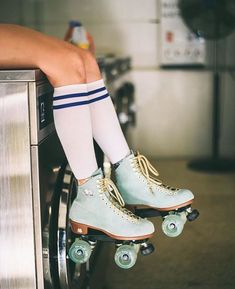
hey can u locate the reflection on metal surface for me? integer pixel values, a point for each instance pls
(46, 259)
(16, 218)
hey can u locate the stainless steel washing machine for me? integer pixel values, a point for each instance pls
(36, 190)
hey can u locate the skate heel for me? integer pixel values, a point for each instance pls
(79, 228)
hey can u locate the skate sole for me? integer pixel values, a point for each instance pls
(82, 229)
(163, 209)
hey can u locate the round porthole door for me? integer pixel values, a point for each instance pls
(66, 274)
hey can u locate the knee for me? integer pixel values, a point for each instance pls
(88, 58)
(92, 69)
(65, 66)
(76, 63)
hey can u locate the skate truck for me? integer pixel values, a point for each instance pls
(126, 250)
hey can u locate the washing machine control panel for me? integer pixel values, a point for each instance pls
(45, 114)
(42, 121)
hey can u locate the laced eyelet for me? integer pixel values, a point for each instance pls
(115, 201)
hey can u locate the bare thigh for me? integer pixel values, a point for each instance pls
(63, 63)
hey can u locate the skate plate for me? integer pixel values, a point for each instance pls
(148, 212)
(126, 252)
(173, 220)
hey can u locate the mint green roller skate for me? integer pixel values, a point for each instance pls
(98, 214)
(138, 184)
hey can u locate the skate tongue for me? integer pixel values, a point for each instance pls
(130, 155)
(98, 172)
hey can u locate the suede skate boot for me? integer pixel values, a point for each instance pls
(99, 206)
(138, 185)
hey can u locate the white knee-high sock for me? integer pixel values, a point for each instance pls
(73, 125)
(105, 125)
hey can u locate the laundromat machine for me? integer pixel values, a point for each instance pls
(36, 191)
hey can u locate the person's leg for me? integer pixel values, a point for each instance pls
(61, 62)
(136, 178)
(95, 205)
(26, 48)
(65, 64)
(105, 124)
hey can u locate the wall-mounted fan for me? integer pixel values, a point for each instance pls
(212, 20)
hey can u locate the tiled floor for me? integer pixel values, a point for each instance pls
(203, 256)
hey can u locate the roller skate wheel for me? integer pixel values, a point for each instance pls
(80, 251)
(172, 225)
(125, 256)
(147, 250)
(193, 215)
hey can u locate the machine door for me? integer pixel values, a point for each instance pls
(69, 275)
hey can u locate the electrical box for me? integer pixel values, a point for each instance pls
(179, 46)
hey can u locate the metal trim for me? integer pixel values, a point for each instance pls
(37, 217)
(21, 75)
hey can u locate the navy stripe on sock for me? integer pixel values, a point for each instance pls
(85, 102)
(96, 90)
(98, 98)
(70, 95)
(78, 94)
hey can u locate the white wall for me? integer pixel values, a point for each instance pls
(174, 109)
(174, 117)
(122, 27)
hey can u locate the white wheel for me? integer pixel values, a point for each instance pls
(173, 225)
(80, 251)
(125, 256)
